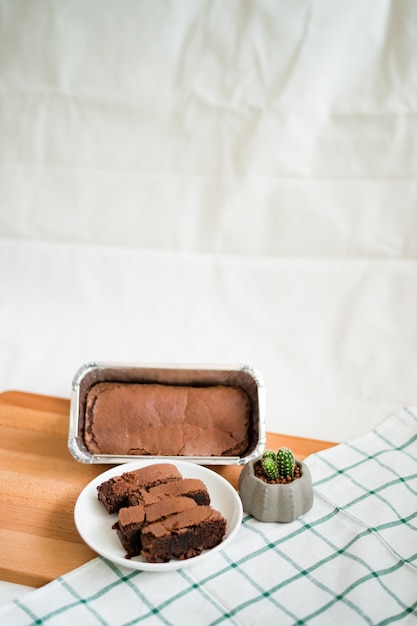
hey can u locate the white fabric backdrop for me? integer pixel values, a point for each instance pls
(214, 182)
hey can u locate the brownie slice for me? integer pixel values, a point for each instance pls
(122, 491)
(133, 519)
(190, 487)
(129, 527)
(183, 535)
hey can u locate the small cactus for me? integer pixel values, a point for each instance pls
(285, 463)
(269, 454)
(269, 465)
(278, 467)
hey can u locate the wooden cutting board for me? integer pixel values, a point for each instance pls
(40, 482)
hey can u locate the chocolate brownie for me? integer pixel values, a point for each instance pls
(183, 535)
(190, 487)
(161, 515)
(166, 420)
(133, 519)
(119, 491)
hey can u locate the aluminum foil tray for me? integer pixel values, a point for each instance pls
(242, 376)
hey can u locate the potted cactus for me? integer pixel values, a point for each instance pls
(276, 487)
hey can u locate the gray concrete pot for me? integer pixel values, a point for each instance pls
(275, 503)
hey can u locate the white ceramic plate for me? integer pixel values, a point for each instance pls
(95, 525)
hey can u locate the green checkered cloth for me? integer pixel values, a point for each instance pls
(352, 559)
